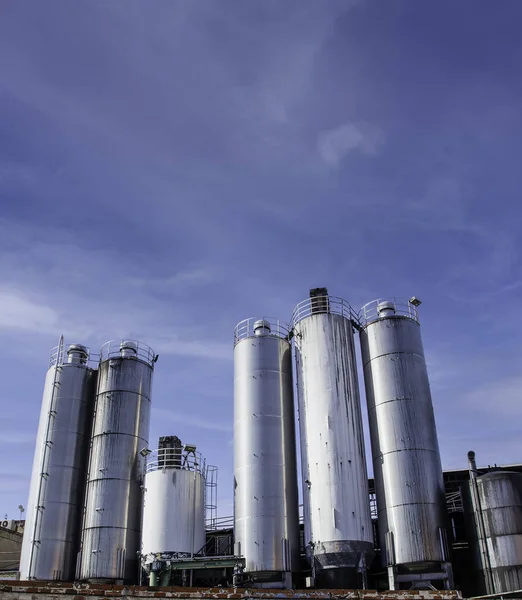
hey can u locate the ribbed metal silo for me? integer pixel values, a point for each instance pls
(496, 510)
(113, 499)
(54, 510)
(266, 526)
(337, 522)
(409, 484)
(173, 509)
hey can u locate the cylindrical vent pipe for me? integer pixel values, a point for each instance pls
(266, 525)
(54, 509)
(409, 484)
(337, 522)
(113, 500)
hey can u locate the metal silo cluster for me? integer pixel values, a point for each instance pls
(84, 509)
(338, 529)
(103, 507)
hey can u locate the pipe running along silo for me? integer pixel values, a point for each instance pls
(113, 497)
(407, 468)
(266, 522)
(173, 509)
(496, 540)
(337, 523)
(54, 510)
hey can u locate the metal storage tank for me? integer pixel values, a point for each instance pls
(113, 498)
(174, 509)
(266, 522)
(54, 509)
(337, 522)
(496, 507)
(406, 461)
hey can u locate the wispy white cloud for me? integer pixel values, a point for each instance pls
(191, 277)
(19, 312)
(51, 286)
(335, 144)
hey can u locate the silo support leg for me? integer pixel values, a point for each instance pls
(391, 578)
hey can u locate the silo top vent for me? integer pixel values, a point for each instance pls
(77, 354)
(128, 348)
(262, 327)
(386, 308)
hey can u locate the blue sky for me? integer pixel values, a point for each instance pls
(169, 168)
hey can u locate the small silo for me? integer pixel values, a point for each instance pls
(266, 523)
(174, 508)
(113, 497)
(409, 484)
(54, 509)
(496, 509)
(337, 522)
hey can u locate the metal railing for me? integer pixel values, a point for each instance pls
(403, 308)
(175, 458)
(323, 304)
(272, 327)
(221, 523)
(129, 349)
(454, 502)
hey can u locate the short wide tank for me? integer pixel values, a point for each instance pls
(54, 510)
(337, 522)
(496, 508)
(266, 526)
(409, 484)
(173, 507)
(113, 500)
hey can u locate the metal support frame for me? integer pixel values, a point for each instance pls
(416, 580)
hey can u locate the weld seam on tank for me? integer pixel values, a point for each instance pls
(104, 434)
(393, 354)
(377, 456)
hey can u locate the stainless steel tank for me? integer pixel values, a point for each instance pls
(406, 461)
(497, 517)
(337, 522)
(54, 509)
(113, 499)
(266, 524)
(174, 508)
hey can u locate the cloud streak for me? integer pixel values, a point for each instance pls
(336, 143)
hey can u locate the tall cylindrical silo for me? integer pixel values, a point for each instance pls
(337, 522)
(54, 510)
(113, 498)
(266, 522)
(496, 510)
(173, 509)
(409, 484)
